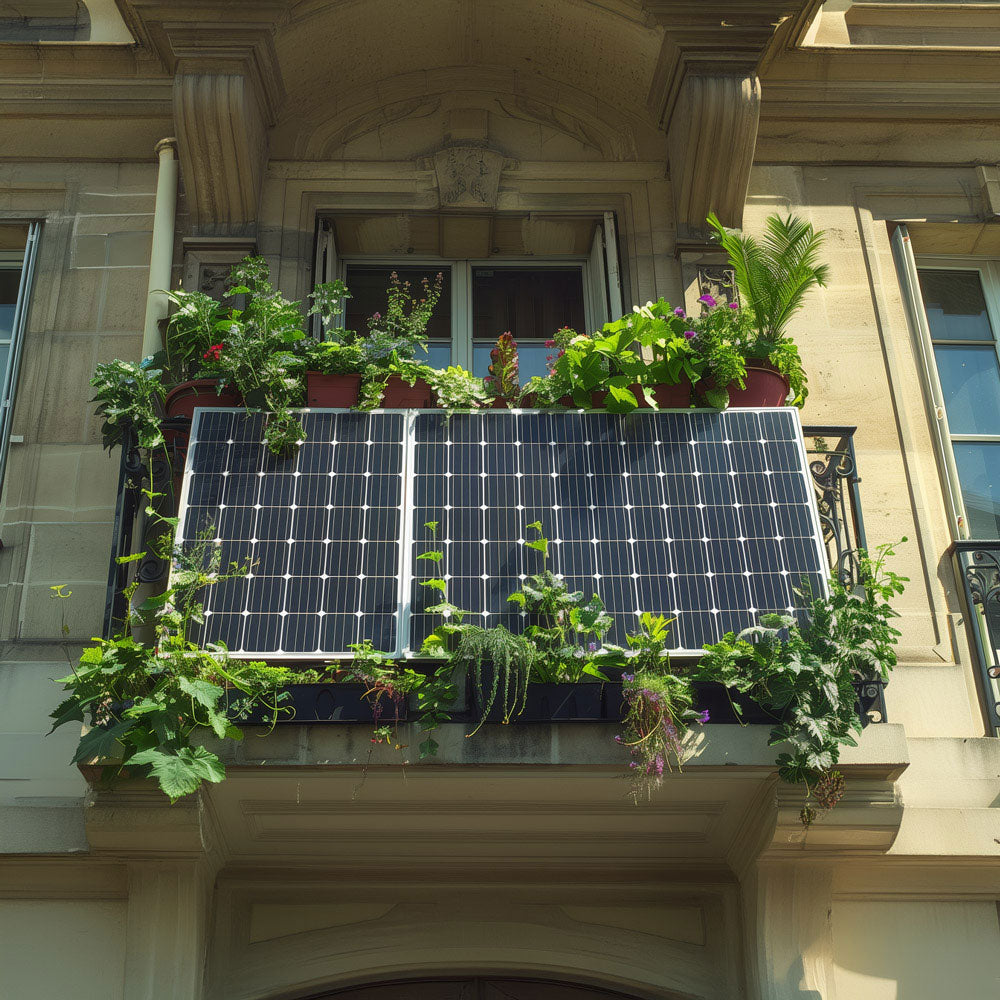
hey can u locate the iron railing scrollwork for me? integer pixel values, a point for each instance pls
(978, 566)
(834, 468)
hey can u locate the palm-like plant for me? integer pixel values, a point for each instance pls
(774, 273)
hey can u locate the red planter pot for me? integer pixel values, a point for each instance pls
(668, 397)
(332, 390)
(401, 395)
(764, 387)
(183, 398)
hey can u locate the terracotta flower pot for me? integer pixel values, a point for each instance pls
(402, 395)
(332, 390)
(764, 387)
(183, 398)
(668, 397)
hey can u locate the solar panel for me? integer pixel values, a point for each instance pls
(320, 531)
(707, 517)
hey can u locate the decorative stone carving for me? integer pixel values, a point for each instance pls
(468, 176)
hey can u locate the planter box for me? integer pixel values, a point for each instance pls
(547, 703)
(402, 395)
(668, 397)
(764, 387)
(332, 391)
(314, 704)
(183, 398)
(712, 696)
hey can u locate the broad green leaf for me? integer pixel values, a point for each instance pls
(101, 742)
(181, 773)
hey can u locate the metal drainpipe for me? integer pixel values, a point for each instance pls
(161, 257)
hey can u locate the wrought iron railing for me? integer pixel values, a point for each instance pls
(978, 567)
(834, 469)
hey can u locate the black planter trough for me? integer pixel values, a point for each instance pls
(581, 702)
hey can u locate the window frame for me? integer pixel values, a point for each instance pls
(988, 270)
(462, 342)
(25, 261)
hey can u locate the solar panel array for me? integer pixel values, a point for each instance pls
(707, 517)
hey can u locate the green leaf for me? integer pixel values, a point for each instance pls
(436, 585)
(181, 773)
(433, 556)
(102, 742)
(135, 557)
(203, 692)
(717, 398)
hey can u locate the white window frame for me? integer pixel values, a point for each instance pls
(989, 276)
(602, 294)
(25, 261)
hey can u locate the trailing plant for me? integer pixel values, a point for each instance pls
(499, 664)
(503, 381)
(130, 395)
(658, 706)
(804, 670)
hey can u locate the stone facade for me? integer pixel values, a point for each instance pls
(519, 858)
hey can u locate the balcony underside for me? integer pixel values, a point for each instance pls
(515, 797)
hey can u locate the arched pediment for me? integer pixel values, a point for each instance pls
(537, 119)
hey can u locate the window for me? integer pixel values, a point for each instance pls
(481, 298)
(17, 257)
(963, 320)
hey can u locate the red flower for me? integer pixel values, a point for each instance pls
(214, 353)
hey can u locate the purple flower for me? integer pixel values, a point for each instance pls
(618, 739)
(734, 305)
(709, 301)
(628, 677)
(703, 717)
(690, 334)
(680, 312)
(592, 646)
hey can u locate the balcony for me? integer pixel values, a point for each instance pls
(978, 567)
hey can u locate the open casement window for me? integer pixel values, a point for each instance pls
(531, 294)
(18, 246)
(955, 308)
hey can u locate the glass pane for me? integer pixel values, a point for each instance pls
(531, 359)
(979, 473)
(4, 358)
(530, 302)
(970, 380)
(368, 283)
(438, 354)
(956, 309)
(10, 278)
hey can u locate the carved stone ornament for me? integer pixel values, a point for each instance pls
(468, 176)
(719, 281)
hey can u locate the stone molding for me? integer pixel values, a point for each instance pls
(706, 95)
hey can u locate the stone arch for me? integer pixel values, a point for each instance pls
(481, 987)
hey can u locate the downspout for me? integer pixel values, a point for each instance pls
(161, 256)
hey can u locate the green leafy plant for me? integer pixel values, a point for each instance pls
(805, 671)
(191, 331)
(566, 629)
(255, 352)
(773, 275)
(147, 705)
(129, 395)
(456, 388)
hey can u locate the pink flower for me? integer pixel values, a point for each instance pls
(734, 305)
(709, 301)
(690, 334)
(550, 343)
(680, 312)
